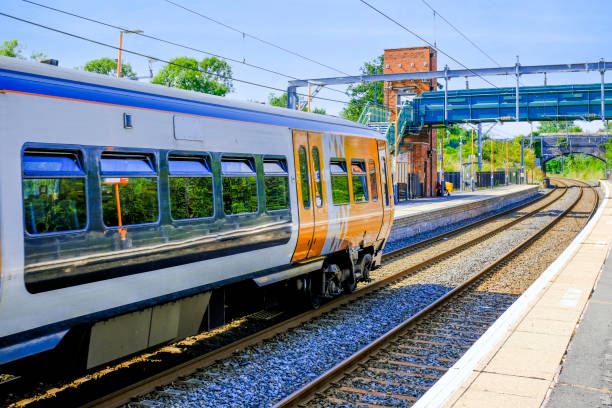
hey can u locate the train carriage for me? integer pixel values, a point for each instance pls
(126, 208)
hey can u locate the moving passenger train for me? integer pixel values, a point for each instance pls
(127, 208)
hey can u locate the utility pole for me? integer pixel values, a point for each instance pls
(492, 178)
(472, 163)
(121, 47)
(479, 147)
(442, 184)
(506, 162)
(522, 161)
(460, 163)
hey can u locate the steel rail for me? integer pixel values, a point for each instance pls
(142, 387)
(428, 241)
(337, 372)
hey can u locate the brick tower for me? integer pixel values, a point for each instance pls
(416, 167)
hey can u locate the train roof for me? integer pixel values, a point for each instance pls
(50, 81)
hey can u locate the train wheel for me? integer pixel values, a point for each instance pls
(350, 284)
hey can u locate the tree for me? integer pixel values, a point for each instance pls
(365, 92)
(211, 75)
(281, 101)
(107, 66)
(558, 127)
(11, 49)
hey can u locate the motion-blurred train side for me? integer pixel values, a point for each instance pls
(125, 207)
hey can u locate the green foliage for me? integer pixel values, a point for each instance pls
(360, 188)
(277, 192)
(239, 195)
(137, 199)
(191, 197)
(340, 191)
(53, 205)
(455, 133)
(577, 166)
(558, 127)
(107, 66)
(10, 48)
(281, 102)
(365, 92)
(211, 75)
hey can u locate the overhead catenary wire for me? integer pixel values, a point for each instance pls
(460, 33)
(256, 38)
(157, 59)
(168, 41)
(425, 41)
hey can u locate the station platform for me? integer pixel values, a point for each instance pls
(553, 346)
(425, 214)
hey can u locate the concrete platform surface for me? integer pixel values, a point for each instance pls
(516, 363)
(427, 214)
(422, 205)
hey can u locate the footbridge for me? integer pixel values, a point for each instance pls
(553, 145)
(535, 103)
(518, 103)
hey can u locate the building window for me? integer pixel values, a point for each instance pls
(359, 179)
(339, 181)
(129, 189)
(239, 186)
(318, 182)
(53, 192)
(276, 181)
(373, 184)
(304, 177)
(191, 187)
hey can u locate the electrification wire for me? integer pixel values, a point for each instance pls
(159, 59)
(256, 38)
(167, 41)
(424, 40)
(461, 33)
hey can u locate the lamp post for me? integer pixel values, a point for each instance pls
(121, 45)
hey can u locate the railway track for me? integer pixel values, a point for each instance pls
(167, 376)
(399, 366)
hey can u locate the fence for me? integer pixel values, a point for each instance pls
(409, 189)
(483, 178)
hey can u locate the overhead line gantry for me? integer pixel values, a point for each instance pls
(517, 70)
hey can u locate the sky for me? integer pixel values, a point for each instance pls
(341, 34)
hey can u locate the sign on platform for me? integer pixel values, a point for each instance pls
(116, 180)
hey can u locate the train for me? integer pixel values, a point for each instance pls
(127, 209)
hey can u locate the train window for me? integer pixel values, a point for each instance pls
(339, 182)
(276, 181)
(359, 179)
(53, 192)
(129, 189)
(316, 160)
(304, 184)
(191, 187)
(239, 185)
(373, 184)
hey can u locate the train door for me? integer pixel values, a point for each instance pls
(387, 193)
(319, 195)
(304, 196)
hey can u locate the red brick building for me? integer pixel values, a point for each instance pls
(417, 152)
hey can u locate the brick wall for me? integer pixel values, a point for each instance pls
(400, 60)
(422, 145)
